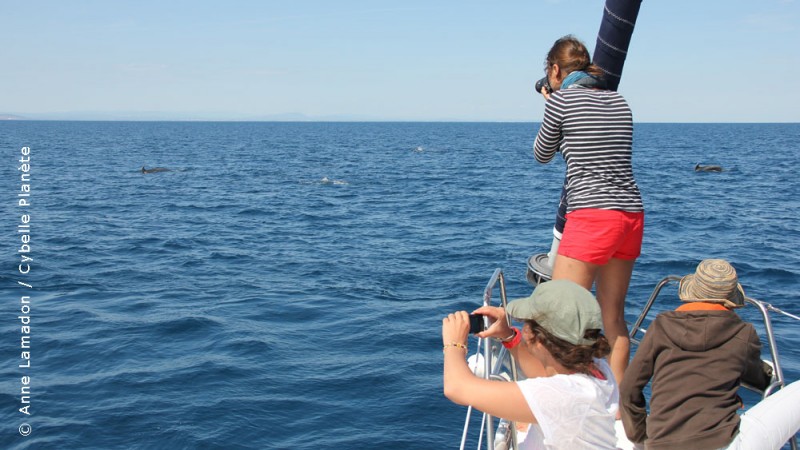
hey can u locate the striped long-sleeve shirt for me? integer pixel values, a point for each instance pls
(593, 129)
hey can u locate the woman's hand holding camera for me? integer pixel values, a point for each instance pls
(455, 328)
(499, 328)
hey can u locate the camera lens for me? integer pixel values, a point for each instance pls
(543, 83)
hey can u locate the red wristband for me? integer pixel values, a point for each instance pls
(515, 340)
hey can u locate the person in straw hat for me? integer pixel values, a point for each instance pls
(570, 396)
(696, 356)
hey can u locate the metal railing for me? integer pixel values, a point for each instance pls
(495, 360)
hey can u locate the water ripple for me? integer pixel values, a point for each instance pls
(264, 305)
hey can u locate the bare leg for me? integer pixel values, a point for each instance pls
(572, 269)
(612, 288)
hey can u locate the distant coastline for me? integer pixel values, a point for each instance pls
(276, 118)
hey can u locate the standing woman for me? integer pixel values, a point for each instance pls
(593, 129)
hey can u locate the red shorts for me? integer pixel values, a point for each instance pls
(597, 235)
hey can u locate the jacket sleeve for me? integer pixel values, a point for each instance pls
(633, 405)
(756, 373)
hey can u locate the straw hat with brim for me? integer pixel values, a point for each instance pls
(563, 308)
(714, 281)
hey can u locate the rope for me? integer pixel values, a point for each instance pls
(616, 16)
(608, 72)
(611, 46)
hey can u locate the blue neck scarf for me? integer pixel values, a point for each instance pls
(573, 77)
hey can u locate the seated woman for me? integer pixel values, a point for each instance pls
(570, 396)
(697, 356)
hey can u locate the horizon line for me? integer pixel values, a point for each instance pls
(142, 120)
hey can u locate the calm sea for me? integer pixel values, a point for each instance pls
(283, 285)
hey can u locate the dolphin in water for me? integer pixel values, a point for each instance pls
(326, 180)
(155, 170)
(707, 168)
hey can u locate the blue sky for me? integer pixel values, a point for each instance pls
(689, 61)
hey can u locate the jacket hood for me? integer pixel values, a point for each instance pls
(699, 331)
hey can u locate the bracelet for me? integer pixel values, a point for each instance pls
(513, 335)
(454, 344)
(512, 341)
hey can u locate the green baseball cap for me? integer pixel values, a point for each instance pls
(562, 307)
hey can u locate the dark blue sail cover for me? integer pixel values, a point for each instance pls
(614, 37)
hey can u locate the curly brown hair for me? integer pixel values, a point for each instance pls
(578, 358)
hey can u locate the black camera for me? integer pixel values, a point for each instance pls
(543, 83)
(476, 323)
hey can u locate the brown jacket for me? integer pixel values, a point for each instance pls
(696, 360)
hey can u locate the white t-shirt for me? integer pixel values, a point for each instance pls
(573, 411)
